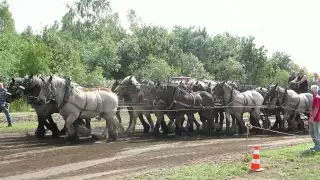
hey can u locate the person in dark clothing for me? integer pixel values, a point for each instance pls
(302, 81)
(4, 105)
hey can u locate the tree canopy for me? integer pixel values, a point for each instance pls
(91, 45)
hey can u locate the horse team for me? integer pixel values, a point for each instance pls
(210, 100)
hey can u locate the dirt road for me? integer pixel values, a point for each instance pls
(28, 158)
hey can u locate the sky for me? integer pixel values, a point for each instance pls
(289, 26)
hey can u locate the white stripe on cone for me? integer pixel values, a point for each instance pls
(256, 152)
(255, 161)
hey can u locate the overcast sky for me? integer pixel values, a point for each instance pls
(291, 26)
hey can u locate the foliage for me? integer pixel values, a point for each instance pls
(90, 45)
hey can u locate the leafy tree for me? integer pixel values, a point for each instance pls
(156, 69)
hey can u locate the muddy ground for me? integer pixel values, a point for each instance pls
(25, 157)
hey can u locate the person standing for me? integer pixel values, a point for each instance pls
(314, 120)
(316, 81)
(4, 105)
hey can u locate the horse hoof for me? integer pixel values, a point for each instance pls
(63, 132)
(56, 135)
(113, 136)
(156, 133)
(40, 133)
(95, 137)
(72, 139)
(146, 130)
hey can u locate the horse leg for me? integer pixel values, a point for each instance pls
(234, 119)
(88, 124)
(146, 127)
(53, 127)
(221, 113)
(286, 118)
(118, 115)
(227, 113)
(135, 115)
(191, 119)
(71, 134)
(113, 126)
(160, 120)
(216, 117)
(294, 122)
(40, 132)
(207, 116)
(240, 122)
(81, 127)
(197, 123)
(179, 128)
(148, 116)
(170, 124)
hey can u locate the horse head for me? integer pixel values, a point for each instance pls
(15, 88)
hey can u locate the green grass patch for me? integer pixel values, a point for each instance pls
(32, 125)
(293, 162)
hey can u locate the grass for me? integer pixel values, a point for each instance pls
(26, 121)
(293, 162)
(32, 125)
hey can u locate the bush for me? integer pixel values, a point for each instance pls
(20, 105)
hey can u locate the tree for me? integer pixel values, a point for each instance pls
(156, 69)
(7, 24)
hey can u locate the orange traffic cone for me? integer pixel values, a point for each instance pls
(255, 162)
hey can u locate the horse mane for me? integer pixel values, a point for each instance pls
(58, 81)
(175, 86)
(36, 80)
(130, 78)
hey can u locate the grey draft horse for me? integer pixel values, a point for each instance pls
(292, 103)
(74, 104)
(130, 87)
(270, 109)
(30, 87)
(238, 103)
(127, 100)
(17, 88)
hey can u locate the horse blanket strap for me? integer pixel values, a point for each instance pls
(297, 106)
(65, 97)
(98, 103)
(85, 106)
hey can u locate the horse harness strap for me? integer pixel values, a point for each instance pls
(65, 97)
(85, 106)
(98, 103)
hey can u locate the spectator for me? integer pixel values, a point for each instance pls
(314, 120)
(316, 81)
(4, 105)
(302, 81)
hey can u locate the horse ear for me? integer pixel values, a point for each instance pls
(42, 79)
(158, 83)
(13, 80)
(276, 85)
(260, 88)
(31, 76)
(197, 82)
(50, 78)
(130, 78)
(209, 84)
